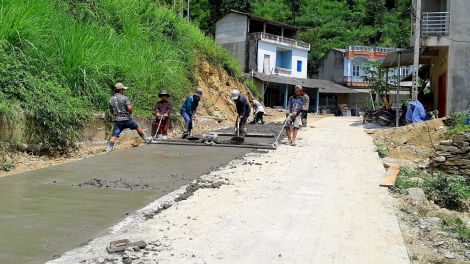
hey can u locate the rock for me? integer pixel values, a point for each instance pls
(467, 254)
(461, 137)
(416, 196)
(450, 256)
(435, 251)
(440, 159)
(100, 260)
(448, 148)
(463, 145)
(446, 142)
(440, 243)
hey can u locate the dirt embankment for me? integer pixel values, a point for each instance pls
(217, 86)
(413, 142)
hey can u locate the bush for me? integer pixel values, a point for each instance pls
(382, 151)
(457, 123)
(7, 166)
(448, 190)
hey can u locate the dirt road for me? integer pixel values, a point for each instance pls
(317, 202)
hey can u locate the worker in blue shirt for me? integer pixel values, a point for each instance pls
(187, 111)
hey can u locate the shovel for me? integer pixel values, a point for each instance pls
(191, 137)
(159, 123)
(285, 122)
(238, 138)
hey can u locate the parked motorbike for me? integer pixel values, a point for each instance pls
(370, 115)
(387, 117)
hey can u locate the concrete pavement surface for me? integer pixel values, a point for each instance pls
(317, 202)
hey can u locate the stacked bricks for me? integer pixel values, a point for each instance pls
(453, 156)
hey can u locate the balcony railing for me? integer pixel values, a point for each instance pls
(435, 23)
(281, 40)
(353, 79)
(279, 70)
(371, 49)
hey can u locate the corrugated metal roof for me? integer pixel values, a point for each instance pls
(406, 59)
(324, 85)
(258, 18)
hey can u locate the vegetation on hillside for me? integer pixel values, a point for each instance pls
(61, 59)
(325, 24)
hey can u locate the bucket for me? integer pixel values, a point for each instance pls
(353, 112)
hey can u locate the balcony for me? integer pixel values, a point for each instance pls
(270, 38)
(435, 23)
(279, 70)
(371, 49)
(353, 79)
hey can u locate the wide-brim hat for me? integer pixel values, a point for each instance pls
(164, 92)
(198, 93)
(120, 86)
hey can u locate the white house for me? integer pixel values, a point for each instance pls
(267, 48)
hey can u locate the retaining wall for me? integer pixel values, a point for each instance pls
(453, 155)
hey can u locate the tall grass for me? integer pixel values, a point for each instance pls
(74, 51)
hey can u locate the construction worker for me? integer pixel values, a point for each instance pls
(294, 106)
(258, 112)
(187, 111)
(120, 107)
(243, 110)
(162, 111)
(304, 112)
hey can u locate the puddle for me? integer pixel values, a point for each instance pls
(44, 213)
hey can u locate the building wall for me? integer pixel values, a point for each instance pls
(331, 66)
(458, 95)
(230, 32)
(299, 55)
(271, 50)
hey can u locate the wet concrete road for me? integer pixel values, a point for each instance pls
(44, 213)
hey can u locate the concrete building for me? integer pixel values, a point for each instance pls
(265, 47)
(445, 50)
(345, 66)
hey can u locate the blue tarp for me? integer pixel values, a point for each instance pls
(416, 112)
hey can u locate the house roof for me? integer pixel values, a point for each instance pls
(406, 59)
(324, 85)
(258, 18)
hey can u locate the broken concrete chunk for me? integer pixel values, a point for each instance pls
(440, 159)
(446, 142)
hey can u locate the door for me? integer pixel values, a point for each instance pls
(266, 63)
(441, 94)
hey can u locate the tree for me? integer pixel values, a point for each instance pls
(294, 6)
(375, 79)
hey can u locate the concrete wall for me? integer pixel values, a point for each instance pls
(230, 32)
(458, 95)
(331, 66)
(299, 55)
(271, 50)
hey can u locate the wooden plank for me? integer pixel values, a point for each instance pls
(390, 177)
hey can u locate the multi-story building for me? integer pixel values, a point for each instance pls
(345, 66)
(445, 39)
(270, 52)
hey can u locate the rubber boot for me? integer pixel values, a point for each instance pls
(159, 136)
(144, 137)
(186, 131)
(110, 146)
(262, 121)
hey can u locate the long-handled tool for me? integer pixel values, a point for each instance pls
(285, 122)
(191, 137)
(238, 138)
(159, 123)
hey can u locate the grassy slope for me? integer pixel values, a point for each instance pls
(60, 59)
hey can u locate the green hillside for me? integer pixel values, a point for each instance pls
(60, 59)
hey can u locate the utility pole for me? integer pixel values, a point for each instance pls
(188, 11)
(182, 5)
(414, 93)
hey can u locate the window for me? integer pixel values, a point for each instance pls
(405, 71)
(356, 68)
(299, 66)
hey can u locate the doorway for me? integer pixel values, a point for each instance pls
(441, 94)
(266, 63)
